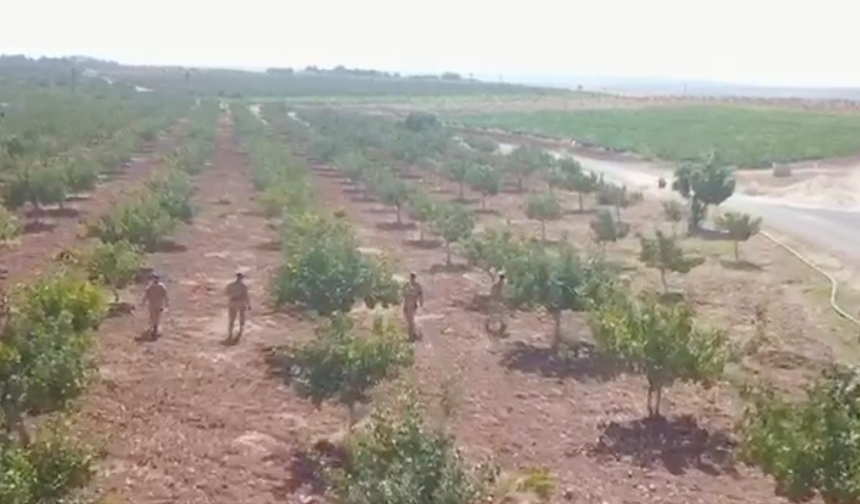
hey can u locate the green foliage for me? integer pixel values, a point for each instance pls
(524, 161)
(543, 207)
(394, 192)
(810, 447)
(80, 172)
(419, 121)
(46, 471)
(554, 280)
(324, 272)
(492, 250)
(486, 180)
(9, 227)
(398, 458)
(563, 173)
(458, 170)
(740, 226)
(673, 210)
(745, 136)
(617, 196)
(49, 298)
(35, 184)
(454, 224)
(661, 342)
(344, 364)
(709, 182)
(422, 209)
(481, 143)
(114, 265)
(583, 184)
(607, 229)
(173, 189)
(143, 222)
(665, 254)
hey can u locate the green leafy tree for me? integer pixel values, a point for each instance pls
(454, 224)
(524, 161)
(740, 226)
(324, 271)
(458, 171)
(662, 342)
(114, 265)
(342, 365)
(35, 184)
(673, 210)
(664, 254)
(542, 208)
(583, 184)
(399, 458)
(394, 192)
(811, 447)
(9, 227)
(492, 250)
(703, 184)
(561, 174)
(173, 190)
(81, 173)
(486, 180)
(422, 209)
(556, 281)
(143, 222)
(606, 229)
(617, 196)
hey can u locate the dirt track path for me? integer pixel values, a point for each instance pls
(36, 248)
(187, 419)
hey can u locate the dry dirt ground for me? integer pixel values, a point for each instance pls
(186, 419)
(531, 409)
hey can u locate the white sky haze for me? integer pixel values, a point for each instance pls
(771, 42)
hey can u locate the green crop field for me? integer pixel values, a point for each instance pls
(742, 136)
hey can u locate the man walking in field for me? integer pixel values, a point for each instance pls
(496, 308)
(238, 303)
(155, 297)
(413, 297)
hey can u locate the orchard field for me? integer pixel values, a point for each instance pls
(654, 351)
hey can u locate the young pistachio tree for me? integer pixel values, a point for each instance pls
(583, 184)
(344, 364)
(458, 171)
(673, 210)
(664, 254)
(606, 229)
(705, 183)
(662, 342)
(35, 184)
(393, 192)
(542, 208)
(114, 265)
(422, 209)
(740, 226)
(492, 250)
(524, 161)
(811, 447)
(454, 224)
(561, 173)
(486, 180)
(555, 280)
(617, 196)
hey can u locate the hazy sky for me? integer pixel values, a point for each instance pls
(746, 41)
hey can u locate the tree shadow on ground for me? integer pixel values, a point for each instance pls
(353, 190)
(269, 246)
(677, 443)
(57, 213)
(710, 234)
(363, 198)
(308, 467)
(671, 297)
(741, 265)
(448, 268)
(120, 309)
(409, 176)
(170, 246)
(78, 197)
(395, 226)
(576, 359)
(513, 190)
(465, 201)
(279, 363)
(487, 211)
(39, 226)
(425, 244)
(577, 211)
(479, 303)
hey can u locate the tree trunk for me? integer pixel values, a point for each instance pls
(483, 201)
(581, 207)
(663, 279)
(737, 252)
(398, 209)
(556, 317)
(543, 231)
(447, 252)
(115, 296)
(520, 186)
(618, 212)
(350, 417)
(421, 233)
(462, 194)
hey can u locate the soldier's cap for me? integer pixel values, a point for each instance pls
(412, 274)
(239, 274)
